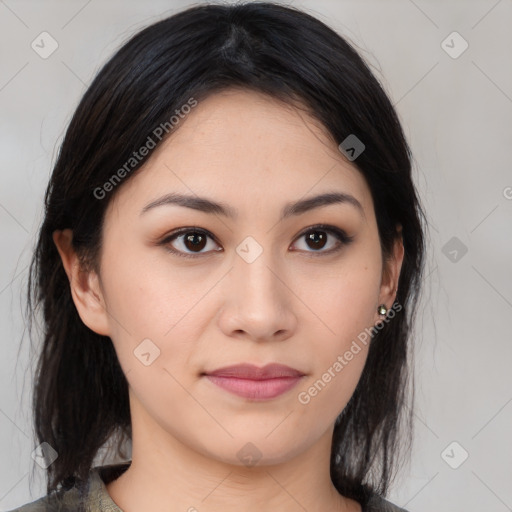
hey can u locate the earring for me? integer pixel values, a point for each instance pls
(382, 309)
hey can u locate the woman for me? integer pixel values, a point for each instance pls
(228, 268)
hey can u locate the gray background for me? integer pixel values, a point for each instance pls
(457, 114)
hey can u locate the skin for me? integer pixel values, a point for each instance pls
(293, 304)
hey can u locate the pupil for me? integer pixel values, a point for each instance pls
(316, 237)
(192, 239)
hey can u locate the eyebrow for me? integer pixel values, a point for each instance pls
(206, 205)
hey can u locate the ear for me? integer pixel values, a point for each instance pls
(85, 286)
(391, 273)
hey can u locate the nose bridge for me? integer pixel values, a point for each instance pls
(255, 266)
(257, 288)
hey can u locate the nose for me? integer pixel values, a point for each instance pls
(258, 300)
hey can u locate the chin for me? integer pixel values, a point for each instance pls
(256, 451)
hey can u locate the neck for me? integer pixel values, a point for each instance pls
(168, 475)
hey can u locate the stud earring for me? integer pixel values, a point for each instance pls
(382, 309)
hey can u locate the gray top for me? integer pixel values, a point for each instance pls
(94, 497)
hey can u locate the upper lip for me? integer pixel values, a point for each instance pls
(250, 371)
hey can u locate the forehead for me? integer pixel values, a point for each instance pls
(243, 148)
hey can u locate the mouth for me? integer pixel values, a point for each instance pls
(252, 382)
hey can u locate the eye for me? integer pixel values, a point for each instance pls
(189, 239)
(316, 238)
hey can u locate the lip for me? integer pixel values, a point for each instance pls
(253, 382)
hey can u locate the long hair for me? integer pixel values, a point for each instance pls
(80, 395)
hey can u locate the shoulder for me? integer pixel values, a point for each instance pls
(90, 496)
(64, 501)
(378, 504)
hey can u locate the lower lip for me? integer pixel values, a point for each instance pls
(255, 389)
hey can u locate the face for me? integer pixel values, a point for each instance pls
(249, 286)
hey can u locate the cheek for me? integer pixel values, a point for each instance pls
(329, 389)
(156, 309)
(343, 299)
(340, 346)
(148, 295)
(344, 303)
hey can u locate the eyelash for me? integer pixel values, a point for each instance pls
(342, 237)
